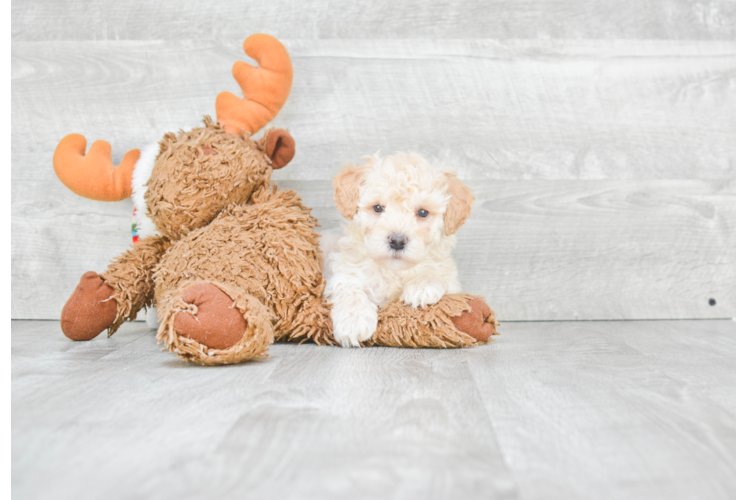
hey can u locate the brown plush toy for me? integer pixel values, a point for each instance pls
(232, 263)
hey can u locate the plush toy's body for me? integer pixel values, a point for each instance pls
(268, 264)
(233, 263)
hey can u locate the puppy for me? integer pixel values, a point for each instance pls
(404, 214)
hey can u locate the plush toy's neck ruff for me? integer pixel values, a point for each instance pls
(140, 176)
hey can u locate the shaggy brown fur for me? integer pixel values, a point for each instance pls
(404, 326)
(188, 187)
(268, 249)
(131, 278)
(253, 344)
(209, 195)
(223, 225)
(238, 264)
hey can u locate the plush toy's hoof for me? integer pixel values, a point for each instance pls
(476, 322)
(217, 324)
(89, 311)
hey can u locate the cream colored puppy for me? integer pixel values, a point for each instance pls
(398, 245)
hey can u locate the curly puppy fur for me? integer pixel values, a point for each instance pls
(224, 231)
(231, 263)
(398, 245)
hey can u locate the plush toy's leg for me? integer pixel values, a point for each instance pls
(108, 300)
(457, 320)
(214, 324)
(90, 310)
(478, 322)
(311, 322)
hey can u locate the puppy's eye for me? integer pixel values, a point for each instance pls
(378, 209)
(423, 213)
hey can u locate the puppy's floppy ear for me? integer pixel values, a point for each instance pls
(460, 204)
(347, 184)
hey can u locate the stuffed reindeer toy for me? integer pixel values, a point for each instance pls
(232, 263)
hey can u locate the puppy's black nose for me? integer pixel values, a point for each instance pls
(397, 241)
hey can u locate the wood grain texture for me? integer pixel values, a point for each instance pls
(559, 19)
(649, 127)
(740, 241)
(537, 250)
(488, 109)
(614, 410)
(548, 410)
(306, 423)
(564, 250)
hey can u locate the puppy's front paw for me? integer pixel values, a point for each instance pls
(423, 293)
(350, 328)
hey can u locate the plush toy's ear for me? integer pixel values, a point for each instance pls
(280, 147)
(460, 204)
(346, 185)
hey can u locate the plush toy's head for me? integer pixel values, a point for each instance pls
(197, 173)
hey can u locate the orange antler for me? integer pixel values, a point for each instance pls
(265, 87)
(93, 175)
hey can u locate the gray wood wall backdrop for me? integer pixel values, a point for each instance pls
(599, 135)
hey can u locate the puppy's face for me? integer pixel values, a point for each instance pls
(403, 206)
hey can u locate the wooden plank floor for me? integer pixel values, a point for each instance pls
(638, 409)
